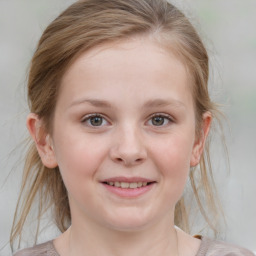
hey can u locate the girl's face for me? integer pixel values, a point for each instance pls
(124, 135)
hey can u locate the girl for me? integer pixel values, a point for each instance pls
(120, 114)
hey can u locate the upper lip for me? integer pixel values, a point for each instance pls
(128, 179)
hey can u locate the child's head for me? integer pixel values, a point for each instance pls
(87, 24)
(85, 30)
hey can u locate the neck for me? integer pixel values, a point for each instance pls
(159, 239)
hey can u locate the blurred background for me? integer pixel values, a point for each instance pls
(228, 29)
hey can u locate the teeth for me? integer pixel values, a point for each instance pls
(133, 185)
(124, 185)
(127, 184)
(117, 184)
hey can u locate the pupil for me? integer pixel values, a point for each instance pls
(96, 121)
(158, 120)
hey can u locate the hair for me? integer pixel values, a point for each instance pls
(82, 26)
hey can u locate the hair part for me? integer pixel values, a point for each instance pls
(87, 24)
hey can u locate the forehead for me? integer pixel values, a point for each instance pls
(132, 48)
(135, 64)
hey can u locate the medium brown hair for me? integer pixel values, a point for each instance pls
(87, 24)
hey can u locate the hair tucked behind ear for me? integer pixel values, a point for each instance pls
(87, 24)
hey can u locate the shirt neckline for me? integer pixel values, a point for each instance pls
(201, 251)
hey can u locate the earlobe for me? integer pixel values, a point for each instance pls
(200, 142)
(42, 140)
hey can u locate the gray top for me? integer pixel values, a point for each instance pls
(208, 247)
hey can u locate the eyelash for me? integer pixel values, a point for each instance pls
(161, 115)
(89, 117)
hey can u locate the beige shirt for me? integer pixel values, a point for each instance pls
(208, 247)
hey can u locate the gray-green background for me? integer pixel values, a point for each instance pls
(228, 28)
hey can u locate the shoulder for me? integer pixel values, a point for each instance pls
(45, 249)
(210, 247)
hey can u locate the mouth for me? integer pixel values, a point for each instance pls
(129, 185)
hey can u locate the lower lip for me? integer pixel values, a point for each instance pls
(129, 192)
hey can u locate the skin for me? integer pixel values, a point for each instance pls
(125, 85)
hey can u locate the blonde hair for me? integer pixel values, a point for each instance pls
(84, 25)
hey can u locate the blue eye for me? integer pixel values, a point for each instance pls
(160, 120)
(94, 120)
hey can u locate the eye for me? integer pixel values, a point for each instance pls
(95, 120)
(160, 120)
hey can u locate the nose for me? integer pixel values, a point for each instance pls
(128, 148)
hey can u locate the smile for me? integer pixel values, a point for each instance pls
(130, 185)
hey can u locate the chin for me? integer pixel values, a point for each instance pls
(129, 222)
(128, 227)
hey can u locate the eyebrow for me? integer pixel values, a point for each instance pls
(93, 102)
(163, 103)
(148, 104)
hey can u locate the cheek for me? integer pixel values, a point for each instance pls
(78, 160)
(173, 158)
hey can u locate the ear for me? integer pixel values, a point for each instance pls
(42, 140)
(200, 141)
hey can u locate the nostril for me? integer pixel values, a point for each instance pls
(127, 161)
